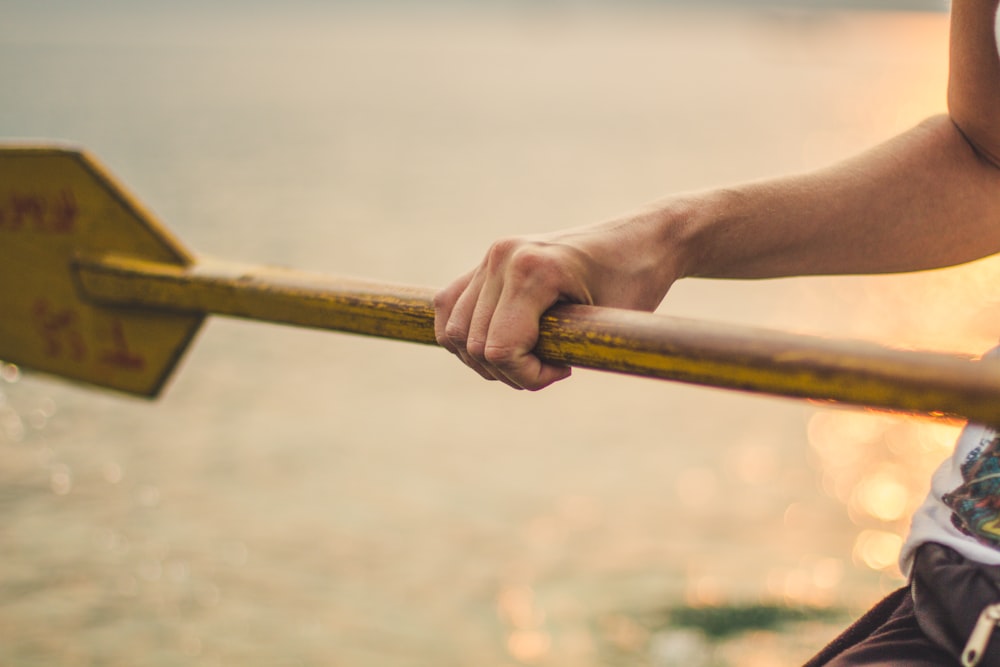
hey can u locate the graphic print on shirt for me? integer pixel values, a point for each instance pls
(975, 504)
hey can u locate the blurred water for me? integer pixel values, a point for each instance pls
(307, 498)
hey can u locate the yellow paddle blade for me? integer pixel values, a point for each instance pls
(58, 204)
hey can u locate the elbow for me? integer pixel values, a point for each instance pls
(980, 129)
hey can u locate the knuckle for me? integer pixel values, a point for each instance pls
(500, 356)
(535, 264)
(441, 301)
(455, 334)
(476, 349)
(502, 249)
(524, 261)
(443, 340)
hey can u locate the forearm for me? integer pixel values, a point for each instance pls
(925, 199)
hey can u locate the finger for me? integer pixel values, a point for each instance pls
(514, 329)
(479, 331)
(453, 311)
(444, 304)
(479, 319)
(509, 352)
(534, 283)
(456, 328)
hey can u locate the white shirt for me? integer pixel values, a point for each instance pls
(962, 510)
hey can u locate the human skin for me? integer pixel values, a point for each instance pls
(927, 198)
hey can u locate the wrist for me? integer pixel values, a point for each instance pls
(677, 233)
(692, 228)
(652, 248)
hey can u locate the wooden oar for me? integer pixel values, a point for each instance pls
(94, 289)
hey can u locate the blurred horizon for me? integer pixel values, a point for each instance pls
(805, 5)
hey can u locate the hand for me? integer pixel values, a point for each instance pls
(489, 317)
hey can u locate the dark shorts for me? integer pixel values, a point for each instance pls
(925, 623)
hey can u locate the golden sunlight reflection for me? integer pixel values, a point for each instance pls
(623, 632)
(112, 472)
(527, 639)
(528, 645)
(705, 590)
(955, 309)
(813, 583)
(9, 373)
(879, 466)
(877, 549)
(882, 496)
(11, 425)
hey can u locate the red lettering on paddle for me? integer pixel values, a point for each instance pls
(119, 355)
(59, 330)
(55, 213)
(62, 213)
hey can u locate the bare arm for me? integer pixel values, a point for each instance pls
(928, 198)
(924, 199)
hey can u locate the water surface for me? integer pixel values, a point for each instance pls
(303, 498)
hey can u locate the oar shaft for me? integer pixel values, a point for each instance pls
(773, 362)
(262, 293)
(630, 342)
